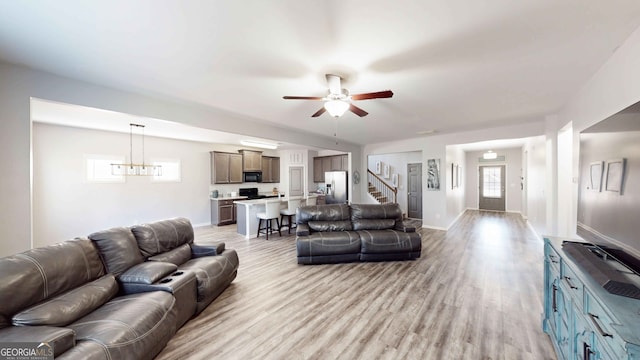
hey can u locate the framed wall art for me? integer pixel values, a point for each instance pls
(615, 175)
(433, 174)
(595, 176)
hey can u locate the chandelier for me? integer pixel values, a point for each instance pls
(133, 169)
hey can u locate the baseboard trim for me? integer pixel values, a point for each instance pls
(433, 227)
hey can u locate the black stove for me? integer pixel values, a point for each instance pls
(251, 193)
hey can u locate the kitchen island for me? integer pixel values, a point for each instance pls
(247, 215)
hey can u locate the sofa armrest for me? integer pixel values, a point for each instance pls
(302, 230)
(206, 250)
(147, 272)
(405, 227)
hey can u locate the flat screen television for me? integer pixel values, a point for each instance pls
(609, 183)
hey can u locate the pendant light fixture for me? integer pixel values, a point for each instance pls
(133, 169)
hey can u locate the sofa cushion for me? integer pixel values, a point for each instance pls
(161, 236)
(70, 306)
(212, 273)
(177, 256)
(133, 326)
(376, 211)
(60, 339)
(328, 243)
(147, 272)
(389, 241)
(35, 275)
(118, 249)
(344, 225)
(374, 224)
(332, 212)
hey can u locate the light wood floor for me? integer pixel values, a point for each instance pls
(476, 293)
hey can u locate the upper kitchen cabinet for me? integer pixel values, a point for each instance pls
(226, 168)
(270, 169)
(322, 164)
(251, 160)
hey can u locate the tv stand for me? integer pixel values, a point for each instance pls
(583, 319)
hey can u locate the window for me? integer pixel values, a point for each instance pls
(491, 186)
(98, 168)
(170, 170)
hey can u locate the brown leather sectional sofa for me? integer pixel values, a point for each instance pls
(121, 293)
(358, 232)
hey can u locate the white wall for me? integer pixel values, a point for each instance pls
(65, 205)
(513, 164)
(455, 196)
(398, 165)
(534, 155)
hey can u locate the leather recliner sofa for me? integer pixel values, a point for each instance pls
(100, 299)
(358, 232)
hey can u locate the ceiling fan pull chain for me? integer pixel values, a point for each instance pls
(335, 132)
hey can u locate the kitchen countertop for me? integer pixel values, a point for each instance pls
(229, 198)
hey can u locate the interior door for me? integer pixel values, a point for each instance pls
(492, 188)
(296, 181)
(414, 191)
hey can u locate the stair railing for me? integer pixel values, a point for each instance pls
(388, 191)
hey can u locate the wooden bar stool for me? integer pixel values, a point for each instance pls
(290, 212)
(272, 212)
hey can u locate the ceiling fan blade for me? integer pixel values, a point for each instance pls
(319, 112)
(356, 110)
(302, 98)
(334, 84)
(373, 95)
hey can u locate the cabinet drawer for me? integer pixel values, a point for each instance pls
(225, 202)
(552, 256)
(573, 284)
(602, 324)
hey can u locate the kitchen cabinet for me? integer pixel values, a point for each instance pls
(251, 160)
(223, 212)
(322, 164)
(318, 174)
(226, 168)
(270, 169)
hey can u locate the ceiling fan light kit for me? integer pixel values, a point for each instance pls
(338, 101)
(336, 107)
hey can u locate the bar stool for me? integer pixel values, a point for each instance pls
(272, 212)
(289, 212)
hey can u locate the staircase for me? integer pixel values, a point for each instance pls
(380, 190)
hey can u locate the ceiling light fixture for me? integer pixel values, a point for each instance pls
(259, 144)
(132, 169)
(489, 155)
(336, 107)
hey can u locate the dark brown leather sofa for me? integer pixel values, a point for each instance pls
(358, 232)
(99, 298)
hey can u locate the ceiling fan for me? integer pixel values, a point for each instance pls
(338, 99)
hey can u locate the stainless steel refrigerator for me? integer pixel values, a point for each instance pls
(337, 187)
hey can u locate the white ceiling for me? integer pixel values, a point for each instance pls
(453, 65)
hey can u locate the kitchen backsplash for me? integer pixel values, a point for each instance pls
(224, 190)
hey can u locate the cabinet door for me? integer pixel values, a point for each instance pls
(266, 169)
(318, 173)
(225, 214)
(345, 162)
(326, 165)
(220, 168)
(336, 163)
(235, 168)
(252, 160)
(275, 169)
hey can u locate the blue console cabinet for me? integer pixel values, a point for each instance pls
(583, 320)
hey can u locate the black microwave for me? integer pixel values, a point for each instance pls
(253, 176)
